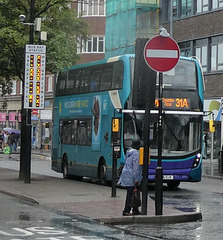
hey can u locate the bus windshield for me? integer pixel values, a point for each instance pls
(182, 76)
(181, 133)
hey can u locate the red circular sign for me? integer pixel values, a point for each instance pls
(161, 53)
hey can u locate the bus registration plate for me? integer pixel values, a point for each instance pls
(168, 177)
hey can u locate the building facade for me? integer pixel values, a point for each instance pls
(197, 27)
(94, 13)
(127, 20)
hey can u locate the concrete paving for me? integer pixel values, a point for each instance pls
(80, 198)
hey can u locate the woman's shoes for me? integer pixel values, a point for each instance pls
(126, 214)
(136, 213)
(131, 214)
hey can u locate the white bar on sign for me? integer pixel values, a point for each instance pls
(154, 53)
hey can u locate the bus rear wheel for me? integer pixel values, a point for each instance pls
(102, 173)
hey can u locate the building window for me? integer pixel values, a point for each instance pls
(201, 47)
(50, 83)
(93, 45)
(185, 49)
(175, 9)
(13, 87)
(91, 8)
(21, 88)
(216, 53)
(185, 7)
(217, 4)
(202, 5)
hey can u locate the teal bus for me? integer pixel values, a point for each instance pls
(89, 96)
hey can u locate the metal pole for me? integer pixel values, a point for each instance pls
(114, 175)
(159, 169)
(212, 152)
(28, 120)
(171, 18)
(145, 159)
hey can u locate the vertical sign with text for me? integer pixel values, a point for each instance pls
(34, 87)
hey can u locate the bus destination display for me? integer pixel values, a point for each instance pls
(174, 103)
(34, 86)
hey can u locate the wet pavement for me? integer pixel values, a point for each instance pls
(91, 200)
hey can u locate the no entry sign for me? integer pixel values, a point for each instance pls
(161, 53)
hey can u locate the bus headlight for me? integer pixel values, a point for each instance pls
(197, 160)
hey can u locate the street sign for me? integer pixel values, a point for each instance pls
(34, 87)
(161, 53)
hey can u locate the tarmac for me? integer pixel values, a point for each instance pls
(89, 199)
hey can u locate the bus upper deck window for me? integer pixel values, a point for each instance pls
(118, 72)
(77, 81)
(61, 83)
(95, 81)
(70, 82)
(85, 81)
(106, 78)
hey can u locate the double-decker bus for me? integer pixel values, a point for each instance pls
(85, 96)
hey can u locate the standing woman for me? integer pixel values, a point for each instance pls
(131, 176)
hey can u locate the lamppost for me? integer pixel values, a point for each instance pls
(25, 154)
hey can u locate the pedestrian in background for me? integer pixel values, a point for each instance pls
(131, 176)
(1, 139)
(5, 139)
(12, 140)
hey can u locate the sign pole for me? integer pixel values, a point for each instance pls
(159, 169)
(161, 53)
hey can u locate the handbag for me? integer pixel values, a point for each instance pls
(7, 150)
(135, 201)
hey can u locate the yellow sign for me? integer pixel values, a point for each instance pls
(211, 126)
(141, 156)
(115, 125)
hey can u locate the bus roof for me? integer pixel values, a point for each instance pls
(117, 58)
(103, 61)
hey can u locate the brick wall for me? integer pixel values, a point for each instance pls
(202, 26)
(198, 26)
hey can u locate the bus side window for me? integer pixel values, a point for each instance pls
(61, 131)
(67, 132)
(118, 73)
(84, 132)
(70, 82)
(95, 80)
(61, 83)
(85, 81)
(74, 132)
(106, 78)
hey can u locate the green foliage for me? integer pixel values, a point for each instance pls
(58, 20)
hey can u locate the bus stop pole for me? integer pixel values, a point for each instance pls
(159, 169)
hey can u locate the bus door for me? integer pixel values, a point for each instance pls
(56, 140)
(60, 145)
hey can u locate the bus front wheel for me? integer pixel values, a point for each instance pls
(173, 185)
(102, 173)
(65, 168)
